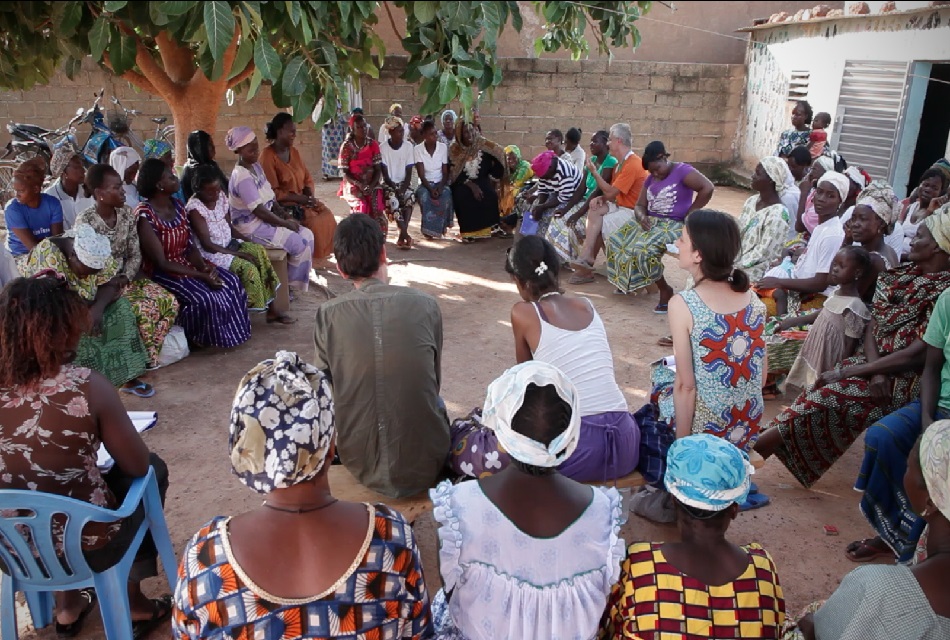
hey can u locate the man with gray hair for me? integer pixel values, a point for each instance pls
(613, 208)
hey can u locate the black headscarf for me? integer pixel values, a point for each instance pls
(199, 154)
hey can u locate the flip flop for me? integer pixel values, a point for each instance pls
(161, 611)
(873, 552)
(754, 501)
(582, 264)
(73, 629)
(579, 279)
(665, 341)
(661, 309)
(753, 488)
(140, 390)
(282, 319)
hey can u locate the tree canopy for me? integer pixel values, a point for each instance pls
(190, 53)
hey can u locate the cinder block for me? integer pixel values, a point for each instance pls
(590, 80)
(686, 84)
(637, 82)
(667, 99)
(514, 78)
(692, 100)
(716, 70)
(518, 64)
(593, 66)
(714, 85)
(690, 70)
(544, 65)
(661, 83)
(622, 67)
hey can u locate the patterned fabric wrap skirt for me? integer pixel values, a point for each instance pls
(331, 139)
(822, 423)
(887, 445)
(436, 214)
(635, 255)
(796, 302)
(211, 317)
(259, 277)
(565, 239)
(298, 245)
(117, 352)
(321, 223)
(608, 448)
(155, 311)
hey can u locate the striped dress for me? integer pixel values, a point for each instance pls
(210, 317)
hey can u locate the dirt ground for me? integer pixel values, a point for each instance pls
(194, 398)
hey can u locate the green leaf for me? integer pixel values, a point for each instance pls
(296, 78)
(293, 9)
(122, 52)
(256, 79)
(279, 99)
(72, 67)
(98, 38)
(430, 69)
(72, 16)
(448, 87)
(219, 23)
(114, 5)
(243, 56)
(470, 69)
(304, 103)
(516, 20)
(424, 11)
(176, 8)
(266, 59)
(467, 97)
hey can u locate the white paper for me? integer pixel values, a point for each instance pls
(672, 250)
(142, 421)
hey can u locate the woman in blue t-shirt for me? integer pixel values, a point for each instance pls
(31, 215)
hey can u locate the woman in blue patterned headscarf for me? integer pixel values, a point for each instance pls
(667, 586)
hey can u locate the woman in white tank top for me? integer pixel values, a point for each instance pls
(567, 332)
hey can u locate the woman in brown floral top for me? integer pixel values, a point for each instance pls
(55, 416)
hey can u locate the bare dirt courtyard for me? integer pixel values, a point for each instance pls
(193, 401)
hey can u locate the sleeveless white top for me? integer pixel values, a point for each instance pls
(584, 356)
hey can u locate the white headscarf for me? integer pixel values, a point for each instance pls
(839, 181)
(825, 163)
(935, 464)
(856, 176)
(92, 249)
(504, 399)
(777, 169)
(123, 158)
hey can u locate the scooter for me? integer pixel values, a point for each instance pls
(102, 140)
(30, 140)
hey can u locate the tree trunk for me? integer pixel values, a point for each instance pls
(195, 107)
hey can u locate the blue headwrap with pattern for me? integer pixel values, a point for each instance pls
(707, 473)
(155, 148)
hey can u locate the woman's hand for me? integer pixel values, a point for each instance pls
(880, 389)
(830, 377)
(769, 283)
(936, 203)
(95, 318)
(590, 165)
(291, 224)
(244, 256)
(212, 278)
(476, 190)
(644, 221)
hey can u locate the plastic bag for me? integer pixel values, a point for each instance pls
(174, 348)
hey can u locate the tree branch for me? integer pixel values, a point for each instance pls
(241, 77)
(134, 77)
(162, 84)
(392, 20)
(178, 60)
(227, 60)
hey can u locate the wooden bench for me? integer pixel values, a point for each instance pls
(635, 479)
(346, 487)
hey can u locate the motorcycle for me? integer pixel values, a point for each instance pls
(29, 140)
(106, 137)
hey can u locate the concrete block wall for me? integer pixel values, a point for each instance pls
(692, 108)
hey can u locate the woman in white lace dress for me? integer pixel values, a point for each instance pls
(527, 552)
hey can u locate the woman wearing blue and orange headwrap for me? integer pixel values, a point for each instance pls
(318, 556)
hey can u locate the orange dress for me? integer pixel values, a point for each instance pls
(294, 177)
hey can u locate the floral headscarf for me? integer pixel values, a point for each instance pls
(879, 197)
(777, 169)
(282, 424)
(935, 464)
(156, 148)
(61, 159)
(460, 155)
(708, 473)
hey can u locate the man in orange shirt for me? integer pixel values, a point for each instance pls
(614, 207)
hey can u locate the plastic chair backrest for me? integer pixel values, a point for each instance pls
(45, 569)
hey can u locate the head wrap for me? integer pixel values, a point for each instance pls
(156, 148)
(880, 198)
(935, 464)
(199, 148)
(123, 158)
(356, 115)
(776, 169)
(281, 424)
(825, 163)
(938, 223)
(446, 113)
(523, 171)
(708, 473)
(92, 249)
(393, 107)
(61, 159)
(392, 122)
(857, 176)
(239, 137)
(839, 181)
(32, 171)
(542, 162)
(461, 155)
(504, 399)
(943, 166)
(415, 121)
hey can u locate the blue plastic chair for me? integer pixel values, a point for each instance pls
(39, 577)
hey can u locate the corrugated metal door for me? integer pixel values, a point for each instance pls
(869, 117)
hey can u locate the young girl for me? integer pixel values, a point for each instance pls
(840, 323)
(226, 248)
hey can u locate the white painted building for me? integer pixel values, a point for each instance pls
(884, 78)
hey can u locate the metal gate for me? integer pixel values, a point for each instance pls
(869, 115)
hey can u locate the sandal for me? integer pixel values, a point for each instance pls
(754, 501)
(281, 319)
(665, 341)
(161, 611)
(580, 279)
(582, 264)
(139, 390)
(661, 309)
(867, 550)
(73, 629)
